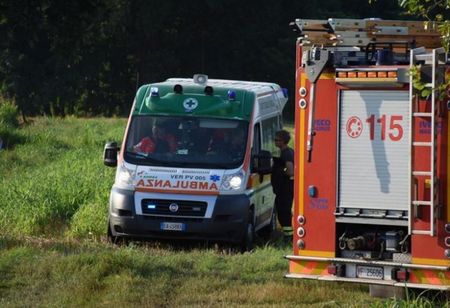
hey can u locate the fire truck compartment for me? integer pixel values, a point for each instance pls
(373, 154)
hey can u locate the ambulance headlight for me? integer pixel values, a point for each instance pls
(233, 181)
(125, 176)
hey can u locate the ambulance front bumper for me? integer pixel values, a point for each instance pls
(225, 220)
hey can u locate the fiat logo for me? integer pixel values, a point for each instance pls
(173, 207)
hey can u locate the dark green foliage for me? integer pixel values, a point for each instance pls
(9, 135)
(88, 57)
(8, 114)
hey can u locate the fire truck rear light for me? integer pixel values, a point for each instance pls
(382, 74)
(392, 74)
(332, 269)
(372, 74)
(447, 228)
(301, 232)
(301, 244)
(400, 274)
(447, 253)
(303, 92)
(342, 74)
(301, 220)
(361, 74)
(336, 269)
(351, 75)
(302, 103)
(447, 241)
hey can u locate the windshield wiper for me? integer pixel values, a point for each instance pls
(136, 155)
(145, 157)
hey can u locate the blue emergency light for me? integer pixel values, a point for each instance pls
(154, 91)
(231, 95)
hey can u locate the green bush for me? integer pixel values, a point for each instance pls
(8, 124)
(8, 114)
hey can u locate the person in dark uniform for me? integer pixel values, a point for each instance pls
(283, 181)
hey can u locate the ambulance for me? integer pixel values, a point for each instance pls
(372, 199)
(195, 161)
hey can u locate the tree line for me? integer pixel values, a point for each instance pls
(87, 57)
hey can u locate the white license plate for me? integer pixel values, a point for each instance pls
(369, 272)
(172, 226)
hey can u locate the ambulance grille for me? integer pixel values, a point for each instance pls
(177, 208)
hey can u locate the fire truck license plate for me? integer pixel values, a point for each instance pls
(369, 272)
(173, 226)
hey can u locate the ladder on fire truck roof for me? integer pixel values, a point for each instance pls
(363, 32)
(433, 63)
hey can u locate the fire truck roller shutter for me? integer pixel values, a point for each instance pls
(374, 149)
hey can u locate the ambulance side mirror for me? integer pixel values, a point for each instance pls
(110, 154)
(262, 162)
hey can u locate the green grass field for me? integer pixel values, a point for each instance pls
(54, 195)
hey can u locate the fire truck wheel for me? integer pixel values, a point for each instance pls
(267, 231)
(249, 235)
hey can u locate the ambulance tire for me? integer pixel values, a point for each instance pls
(248, 239)
(267, 231)
(115, 240)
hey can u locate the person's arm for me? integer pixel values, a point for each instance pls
(288, 157)
(289, 168)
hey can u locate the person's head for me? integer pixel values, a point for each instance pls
(282, 138)
(237, 138)
(159, 130)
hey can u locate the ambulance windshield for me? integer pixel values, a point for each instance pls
(186, 142)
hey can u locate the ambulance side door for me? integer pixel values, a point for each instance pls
(263, 140)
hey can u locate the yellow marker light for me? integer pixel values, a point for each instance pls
(372, 74)
(351, 74)
(361, 74)
(392, 74)
(342, 74)
(382, 74)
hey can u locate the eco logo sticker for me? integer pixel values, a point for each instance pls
(190, 104)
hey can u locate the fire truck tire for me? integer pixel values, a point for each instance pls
(267, 231)
(248, 238)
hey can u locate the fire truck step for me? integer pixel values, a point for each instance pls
(422, 232)
(422, 114)
(427, 57)
(421, 202)
(422, 144)
(426, 173)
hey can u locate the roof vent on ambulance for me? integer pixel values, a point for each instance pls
(200, 78)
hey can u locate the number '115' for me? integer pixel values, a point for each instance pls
(395, 132)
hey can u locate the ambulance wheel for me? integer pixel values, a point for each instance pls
(248, 239)
(116, 240)
(267, 231)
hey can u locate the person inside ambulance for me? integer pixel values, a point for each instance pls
(161, 140)
(228, 142)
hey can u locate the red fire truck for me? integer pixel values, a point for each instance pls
(372, 202)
